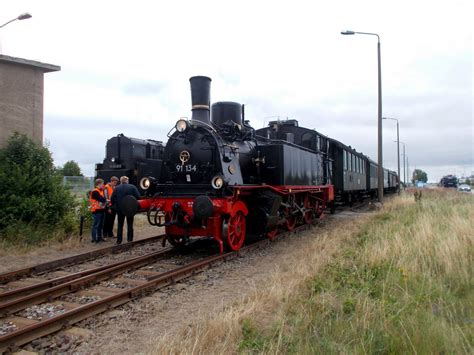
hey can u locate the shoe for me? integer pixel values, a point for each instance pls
(100, 240)
(93, 241)
(118, 243)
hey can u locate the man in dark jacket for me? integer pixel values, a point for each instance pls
(124, 189)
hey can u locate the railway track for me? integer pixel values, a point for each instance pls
(61, 297)
(75, 259)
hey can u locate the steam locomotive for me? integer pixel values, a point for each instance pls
(132, 157)
(222, 179)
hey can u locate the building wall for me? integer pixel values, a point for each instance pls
(21, 101)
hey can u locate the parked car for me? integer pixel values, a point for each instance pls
(464, 187)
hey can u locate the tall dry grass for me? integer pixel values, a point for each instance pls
(395, 281)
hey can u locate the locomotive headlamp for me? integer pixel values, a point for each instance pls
(146, 182)
(112, 159)
(181, 125)
(217, 182)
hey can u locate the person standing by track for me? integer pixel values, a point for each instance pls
(110, 213)
(97, 203)
(124, 189)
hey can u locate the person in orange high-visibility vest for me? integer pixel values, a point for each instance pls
(97, 203)
(110, 213)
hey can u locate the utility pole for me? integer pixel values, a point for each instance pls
(379, 117)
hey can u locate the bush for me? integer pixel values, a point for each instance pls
(31, 193)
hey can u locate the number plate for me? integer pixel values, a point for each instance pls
(186, 168)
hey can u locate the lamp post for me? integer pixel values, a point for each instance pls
(398, 146)
(24, 16)
(404, 158)
(379, 120)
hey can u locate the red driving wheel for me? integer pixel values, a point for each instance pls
(290, 222)
(308, 216)
(233, 232)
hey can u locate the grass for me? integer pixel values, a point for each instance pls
(399, 280)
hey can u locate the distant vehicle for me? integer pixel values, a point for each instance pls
(464, 187)
(449, 181)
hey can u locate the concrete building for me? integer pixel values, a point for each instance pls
(21, 97)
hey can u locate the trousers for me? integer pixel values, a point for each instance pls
(97, 225)
(109, 221)
(120, 223)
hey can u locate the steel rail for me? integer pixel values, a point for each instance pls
(47, 284)
(11, 341)
(50, 265)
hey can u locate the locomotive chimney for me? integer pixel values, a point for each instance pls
(200, 98)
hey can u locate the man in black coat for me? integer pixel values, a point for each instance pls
(124, 189)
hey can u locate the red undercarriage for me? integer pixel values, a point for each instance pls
(227, 225)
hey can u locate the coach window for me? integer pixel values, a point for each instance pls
(344, 159)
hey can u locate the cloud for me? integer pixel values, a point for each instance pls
(143, 88)
(128, 73)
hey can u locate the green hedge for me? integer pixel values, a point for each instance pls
(31, 194)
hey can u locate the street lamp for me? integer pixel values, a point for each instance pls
(24, 16)
(379, 134)
(398, 146)
(404, 158)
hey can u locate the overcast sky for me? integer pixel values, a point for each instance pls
(125, 69)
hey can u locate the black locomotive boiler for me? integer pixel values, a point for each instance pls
(132, 157)
(221, 180)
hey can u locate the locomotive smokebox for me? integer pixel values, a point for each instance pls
(201, 98)
(226, 111)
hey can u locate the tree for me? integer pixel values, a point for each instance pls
(419, 175)
(70, 168)
(31, 192)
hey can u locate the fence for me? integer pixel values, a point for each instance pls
(79, 184)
